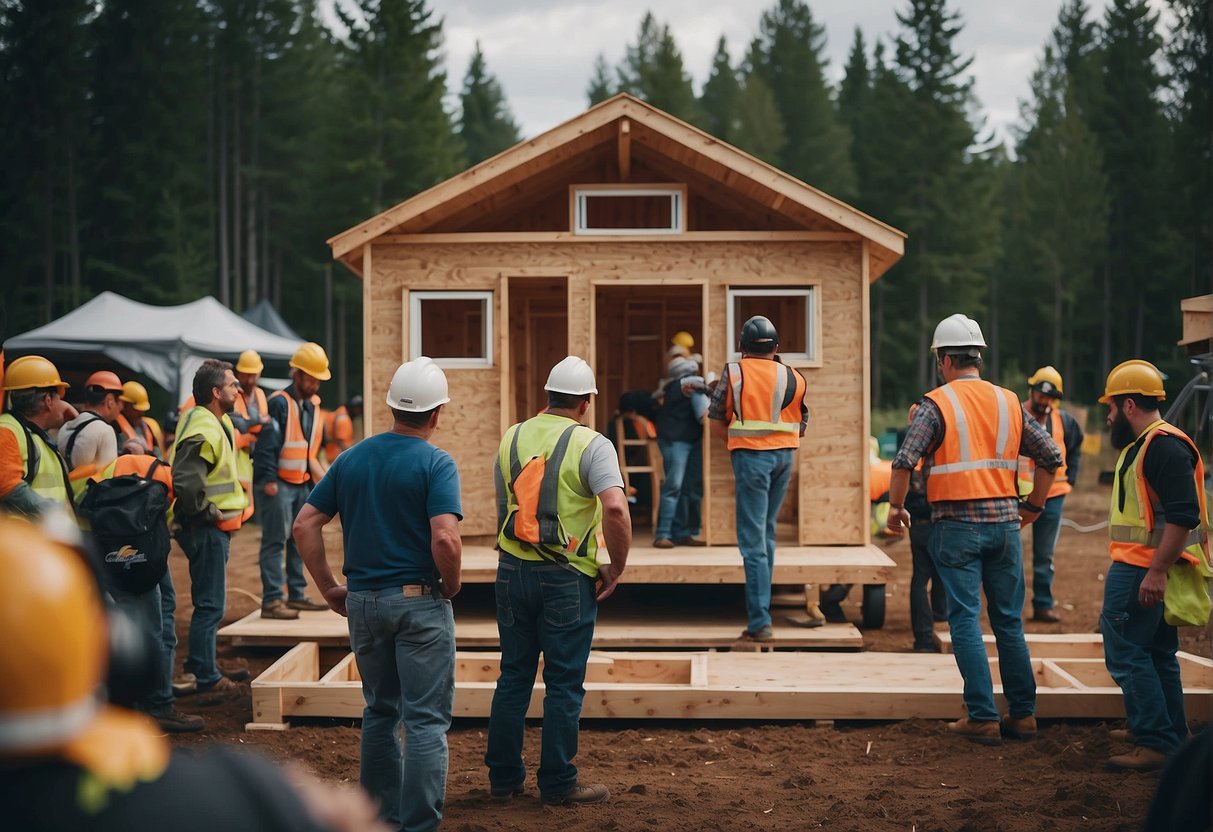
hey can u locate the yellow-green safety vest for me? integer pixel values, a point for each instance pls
(223, 480)
(49, 478)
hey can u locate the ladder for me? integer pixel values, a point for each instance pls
(628, 449)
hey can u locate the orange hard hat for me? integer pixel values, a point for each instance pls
(32, 371)
(105, 380)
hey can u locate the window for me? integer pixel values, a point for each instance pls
(658, 209)
(793, 310)
(453, 328)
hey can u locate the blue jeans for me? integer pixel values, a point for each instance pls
(1044, 540)
(923, 605)
(206, 548)
(149, 612)
(405, 650)
(541, 608)
(1139, 651)
(970, 557)
(761, 482)
(678, 514)
(277, 515)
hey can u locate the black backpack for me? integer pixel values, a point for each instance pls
(128, 516)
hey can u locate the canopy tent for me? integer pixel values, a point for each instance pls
(266, 316)
(164, 343)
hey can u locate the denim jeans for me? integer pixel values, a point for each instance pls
(148, 611)
(1044, 540)
(277, 515)
(761, 481)
(405, 650)
(970, 557)
(206, 548)
(678, 514)
(1139, 651)
(924, 606)
(541, 608)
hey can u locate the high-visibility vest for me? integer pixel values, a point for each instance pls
(1027, 465)
(765, 397)
(580, 517)
(246, 439)
(47, 475)
(223, 486)
(979, 456)
(148, 433)
(1136, 524)
(338, 427)
(299, 457)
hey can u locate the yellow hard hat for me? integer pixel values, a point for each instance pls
(136, 394)
(310, 358)
(250, 362)
(32, 371)
(55, 643)
(1133, 376)
(683, 339)
(1046, 380)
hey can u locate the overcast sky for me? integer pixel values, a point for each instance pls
(542, 51)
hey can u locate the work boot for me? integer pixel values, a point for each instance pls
(982, 733)
(172, 721)
(505, 792)
(690, 541)
(279, 610)
(306, 604)
(217, 692)
(1045, 615)
(832, 610)
(763, 634)
(926, 647)
(663, 543)
(579, 795)
(236, 674)
(185, 684)
(1018, 728)
(1122, 735)
(1139, 759)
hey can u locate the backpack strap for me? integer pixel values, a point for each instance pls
(515, 463)
(790, 392)
(71, 443)
(549, 488)
(733, 369)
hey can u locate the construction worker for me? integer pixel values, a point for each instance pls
(285, 467)
(71, 761)
(134, 423)
(549, 581)
(339, 428)
(403, 569)
(33, 475)
(1159, 520)
(972, 434)
(925, 607)
(758, 410)
(88, 441)
(210, 505)
(680, 439)
(1044, 393)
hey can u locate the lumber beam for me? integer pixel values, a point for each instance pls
(625, 149)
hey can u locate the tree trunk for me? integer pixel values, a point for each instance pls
(225, 273)
(1058, 298)
(48, 248)
(343, 377)
(251, 284)
(73, 227)
(1105, 342)
(237, 199)
(328, 306)
(992, 334)
(924, 337)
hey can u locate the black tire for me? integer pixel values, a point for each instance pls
(873, 606)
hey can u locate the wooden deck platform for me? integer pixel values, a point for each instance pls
(1044, 645)
(731, 686)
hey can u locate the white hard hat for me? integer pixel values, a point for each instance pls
(958, 331)
(573, 376)
(418, 386)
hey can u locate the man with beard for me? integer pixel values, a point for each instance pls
(1158, 516)
(1045, 391)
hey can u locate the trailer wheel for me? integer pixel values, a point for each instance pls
(873, 606)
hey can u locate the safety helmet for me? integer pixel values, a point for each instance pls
(135, 394)
(32, 371)
(310, 358)
(250, 362)
(683, 339)
(105, 380)
(680, 367)
(1133, 376)
(417, 386)
(572, 376)
(758, 330)
(1046, 381)
(957, 331)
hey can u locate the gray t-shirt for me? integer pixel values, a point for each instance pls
(599, 471)
(97, 443)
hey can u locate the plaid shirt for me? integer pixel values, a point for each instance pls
(719, 404)
(925, 436)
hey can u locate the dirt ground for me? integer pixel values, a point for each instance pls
(757, 776)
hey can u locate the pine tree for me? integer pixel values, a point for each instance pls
(760, 130)
(652, 70)
(721, 97)
(855, 111)
(485, 125)
(601, 87)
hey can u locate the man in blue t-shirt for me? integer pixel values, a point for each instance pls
(398, 499)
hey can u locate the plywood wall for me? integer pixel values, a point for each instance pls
(832, 506)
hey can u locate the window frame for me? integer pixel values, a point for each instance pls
(417, 296)
(810, 291)
(577, 208)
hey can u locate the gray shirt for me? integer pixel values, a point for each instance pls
(97, 443)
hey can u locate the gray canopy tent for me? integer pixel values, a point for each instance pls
(164, 343)
(264, 315)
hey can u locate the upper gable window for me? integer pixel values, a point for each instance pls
(629, 209)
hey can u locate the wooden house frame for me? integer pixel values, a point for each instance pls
(601, 238)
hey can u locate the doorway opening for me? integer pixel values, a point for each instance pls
(539, 337)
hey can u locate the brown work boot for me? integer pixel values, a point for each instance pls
(278, 609)
(690, 541)
(579, 795)
(982, 733)
(1045, 615)
(1122, 735)
(1018, 728)
(1139, 759)
(306, 604)
(763, 634)
(221, 690)
(172, 721)
(663, 543)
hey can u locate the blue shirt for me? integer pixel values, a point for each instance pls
(386, 489)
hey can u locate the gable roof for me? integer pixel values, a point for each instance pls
(687, 145)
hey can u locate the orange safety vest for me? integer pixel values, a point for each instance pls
(764, 398)
(979, 456)
(338, 427)
(262, 408)
(146, 434)
(299, 455)
(1027, 465)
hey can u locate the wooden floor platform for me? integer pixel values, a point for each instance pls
(1044, 645)
(709, 685)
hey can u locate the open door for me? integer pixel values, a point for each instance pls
(539, 338)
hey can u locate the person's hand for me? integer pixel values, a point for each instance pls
(899, 520)
(1153, 588)
(608, 579)
(335, 597)
(271, 488)
(1026, 516)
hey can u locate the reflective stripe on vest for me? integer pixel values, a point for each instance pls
(1134, 528)
(298, 451)
(766, 398)
(979, 456)
(222, 487)
(1027, 465)
(49, 477)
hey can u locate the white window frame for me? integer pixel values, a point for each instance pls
(812, 335)
(415, 324)
(678, 202)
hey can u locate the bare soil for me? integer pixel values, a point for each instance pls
(749, 775)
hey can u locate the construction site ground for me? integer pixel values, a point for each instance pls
(712, 775)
